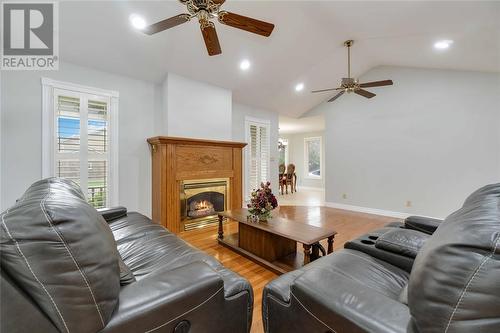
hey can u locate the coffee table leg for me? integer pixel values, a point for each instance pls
(221, 230)
(307, 254)
(330, 244)
(315, 251)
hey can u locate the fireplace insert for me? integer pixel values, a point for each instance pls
(201, 200)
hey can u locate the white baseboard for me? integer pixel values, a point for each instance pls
(368, 210)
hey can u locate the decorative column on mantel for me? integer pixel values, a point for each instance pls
(177, 159)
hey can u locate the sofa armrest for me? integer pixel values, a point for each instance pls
(358, 307)
(423, 224)
(112, 213)
(402, 241)
(164, 298)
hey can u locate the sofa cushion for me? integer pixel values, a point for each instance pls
(455, 285)
(61, 253)
(126, 275)
(348, 290)
(147, 247)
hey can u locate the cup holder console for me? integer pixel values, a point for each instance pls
(367, 244)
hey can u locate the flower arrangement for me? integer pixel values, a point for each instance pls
(262, 202)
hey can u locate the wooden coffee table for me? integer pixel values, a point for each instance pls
(273, 244)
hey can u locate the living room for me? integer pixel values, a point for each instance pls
(250, 166)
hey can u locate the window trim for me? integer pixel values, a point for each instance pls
(306, 157)
(262, 122)
(48, 129)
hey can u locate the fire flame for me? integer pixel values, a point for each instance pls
(203, 205)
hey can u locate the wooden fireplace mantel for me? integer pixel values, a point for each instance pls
(177, 159)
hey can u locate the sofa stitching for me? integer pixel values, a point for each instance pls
(185, 313)
(32, 272)
(49, 220)
(249, 306)
(312, 314)
(285, 304)
(464, 291)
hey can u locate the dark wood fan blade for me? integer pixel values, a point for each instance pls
(211, 39)
(218, 2)
(376, 84)
(336, 96)
(364, 93)
(246, 23)
(323, 90)
(167, 24)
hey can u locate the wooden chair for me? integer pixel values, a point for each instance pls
(282, 169)
(289, 178)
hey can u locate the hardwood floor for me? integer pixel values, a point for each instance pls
(348, 225)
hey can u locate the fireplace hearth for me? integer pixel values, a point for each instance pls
(201, 200)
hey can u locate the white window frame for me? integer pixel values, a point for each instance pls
(261, 122)
(49, 87)
(306, 157)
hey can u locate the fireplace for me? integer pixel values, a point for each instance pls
(201, 200)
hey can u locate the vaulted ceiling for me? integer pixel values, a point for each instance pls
(306, 45)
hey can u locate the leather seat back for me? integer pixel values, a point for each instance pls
(61, 253)
(455, 282)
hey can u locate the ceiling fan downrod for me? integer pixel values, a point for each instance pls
(348, 44)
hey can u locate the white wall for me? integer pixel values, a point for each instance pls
(177, 107)
(296, 155)
(432, 139)
(196, 109)
(241, 111)
(21, 130)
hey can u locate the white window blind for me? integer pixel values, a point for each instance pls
(82, 142)
(258, 151)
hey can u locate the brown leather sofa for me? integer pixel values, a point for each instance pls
(66, 267)
(423, 277)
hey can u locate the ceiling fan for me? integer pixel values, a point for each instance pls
(350, 84)
(204, 11)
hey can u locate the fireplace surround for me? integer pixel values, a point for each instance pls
(180, 161)
(201, 200)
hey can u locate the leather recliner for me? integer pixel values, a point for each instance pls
(66, 267)
(452, 285)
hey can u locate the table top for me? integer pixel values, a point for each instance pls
(296, 225)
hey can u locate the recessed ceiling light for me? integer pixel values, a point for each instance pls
(299, 87)
(443, 44)
(244, 65)
(137, 21)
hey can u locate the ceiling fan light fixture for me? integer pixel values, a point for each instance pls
(443, 44)
(138, 22)
(245, 65)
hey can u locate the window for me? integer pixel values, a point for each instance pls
(257, 153)
(283, 151)
(312, 148)
(79, 141)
